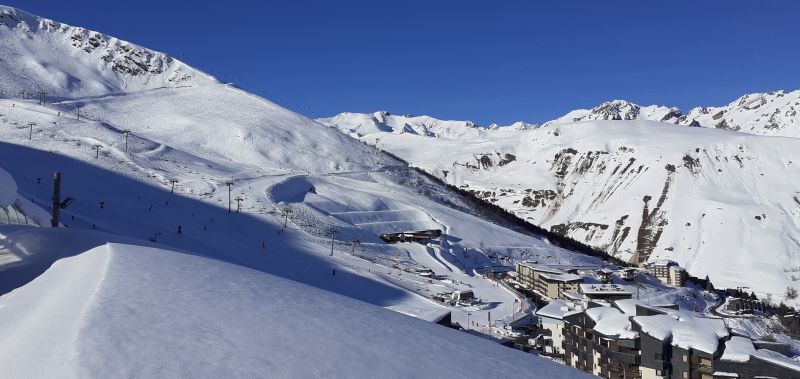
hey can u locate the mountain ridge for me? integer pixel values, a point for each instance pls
(636, 188)
(119, 65)
(770, 113)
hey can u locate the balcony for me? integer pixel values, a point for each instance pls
(632, 359)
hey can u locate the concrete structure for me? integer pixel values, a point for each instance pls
(605, 291)
(548, 281)
(629, 340)
(741, 305)
(551, 323)
(668, 272)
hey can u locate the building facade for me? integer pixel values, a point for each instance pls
(668, 272)
(549, 282)
(629, 340)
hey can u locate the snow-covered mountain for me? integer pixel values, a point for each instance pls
(626, 179)
(255, 186)
(619, 110)
(62, 60)
(769, 114)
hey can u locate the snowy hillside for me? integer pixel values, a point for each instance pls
(130, 311)
(201, 167)
(641, 190)
(67, 61)
(769, 114)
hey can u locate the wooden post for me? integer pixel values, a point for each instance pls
(56, 200)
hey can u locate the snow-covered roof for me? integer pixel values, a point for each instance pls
(604, 289)
(541, 268)
(661, 262)
(778, 359)
(132, 311)
(561, 277)
(738, 349)
(686, 330)
(559, 309)
(611, 321)
(629, 306)
(575, 296)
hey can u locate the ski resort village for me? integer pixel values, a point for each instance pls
(159, 222)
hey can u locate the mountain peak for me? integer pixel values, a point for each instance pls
(101, 64)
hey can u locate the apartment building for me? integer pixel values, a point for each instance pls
(630, 340)
(668, 272)
(548, 281)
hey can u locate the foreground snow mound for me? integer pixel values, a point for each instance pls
(131, 311)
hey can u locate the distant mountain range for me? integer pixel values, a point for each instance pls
(711, 188)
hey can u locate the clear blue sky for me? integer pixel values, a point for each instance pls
(488, 61)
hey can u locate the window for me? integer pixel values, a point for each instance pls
(659, 372)
(685, 375)
(686, 357)
(659, 356)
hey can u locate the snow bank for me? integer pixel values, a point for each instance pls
(130, 311)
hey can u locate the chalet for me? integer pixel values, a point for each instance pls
(627, 273)
(604, 275)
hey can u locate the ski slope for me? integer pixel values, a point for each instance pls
(147, 157)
